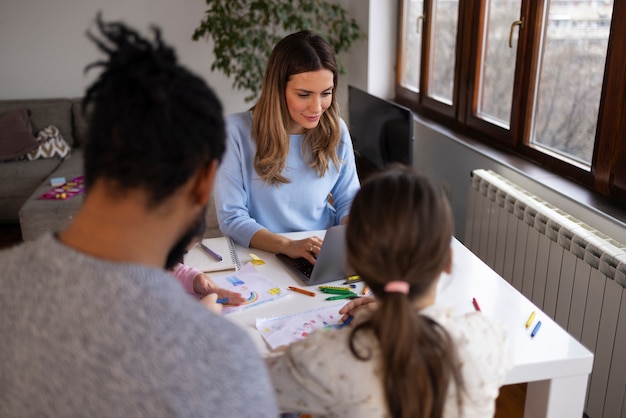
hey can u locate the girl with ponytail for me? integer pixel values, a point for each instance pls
(403, 357)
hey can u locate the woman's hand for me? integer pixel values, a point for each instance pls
(307, 248)
(350, 308)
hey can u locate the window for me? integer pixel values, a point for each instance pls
(542, 78)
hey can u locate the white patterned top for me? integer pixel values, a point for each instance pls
(320, 375)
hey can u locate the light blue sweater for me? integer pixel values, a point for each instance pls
(246, 204)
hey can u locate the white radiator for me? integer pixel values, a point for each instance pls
(572, 272)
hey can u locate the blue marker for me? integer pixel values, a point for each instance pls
(222, 300)
(347, 322)
(536, 329)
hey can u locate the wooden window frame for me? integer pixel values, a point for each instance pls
(608, 166)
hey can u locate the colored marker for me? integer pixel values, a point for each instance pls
(536, 329)
(475, 303)
(344, 296)
(347, 321)
(352, 279)
(365, 291)
(347, 289)
(222, 300)
(211, 252)
(337, 291)
(303, 291)
(531, 318)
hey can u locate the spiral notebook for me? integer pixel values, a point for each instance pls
(203, 260)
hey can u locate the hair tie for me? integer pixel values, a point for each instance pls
(397, 286)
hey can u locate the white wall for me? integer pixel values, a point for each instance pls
(44, 49)
(371, 63)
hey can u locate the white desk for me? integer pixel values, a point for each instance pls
(554, 364)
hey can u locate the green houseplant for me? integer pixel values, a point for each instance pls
(245, 31)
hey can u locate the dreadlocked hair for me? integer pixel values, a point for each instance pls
(152, 123)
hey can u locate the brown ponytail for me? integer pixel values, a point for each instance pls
(400, 229)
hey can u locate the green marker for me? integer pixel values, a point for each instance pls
(344, 296)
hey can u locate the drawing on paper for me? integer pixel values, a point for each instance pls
(284, 330)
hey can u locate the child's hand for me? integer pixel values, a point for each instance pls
(210, 301)
(350, 308)
(234, 298)
(203, 285)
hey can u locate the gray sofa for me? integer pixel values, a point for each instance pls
(22, 182)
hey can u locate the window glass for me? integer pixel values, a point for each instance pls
(497, 63)
(411, 44)
(443, 50)
(571, 70)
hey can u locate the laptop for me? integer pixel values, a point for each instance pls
(331, 263)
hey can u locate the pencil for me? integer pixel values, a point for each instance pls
(303, 291)
(475, 303)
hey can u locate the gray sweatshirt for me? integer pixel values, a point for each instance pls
(81, 336)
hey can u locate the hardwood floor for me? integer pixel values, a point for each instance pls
(510, 403)
(10, 234)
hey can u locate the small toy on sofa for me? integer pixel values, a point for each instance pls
(66, 191)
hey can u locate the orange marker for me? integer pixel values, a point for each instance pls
(303, 291)
(365, 290)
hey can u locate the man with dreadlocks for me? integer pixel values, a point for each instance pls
(92, 324)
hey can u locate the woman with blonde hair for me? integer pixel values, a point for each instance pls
(289, 164)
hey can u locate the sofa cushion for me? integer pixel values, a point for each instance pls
(45, 112)
(16, 135)
(51, 144)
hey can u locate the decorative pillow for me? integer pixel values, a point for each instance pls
(16, 134)
(51, 144)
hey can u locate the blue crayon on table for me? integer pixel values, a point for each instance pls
(536, 329)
